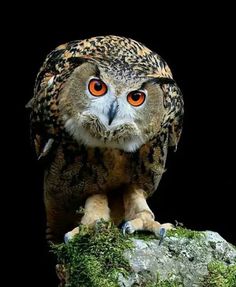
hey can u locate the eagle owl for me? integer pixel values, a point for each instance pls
(104, 112)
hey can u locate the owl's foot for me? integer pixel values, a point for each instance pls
(95, 209)
(139, 215)
(70, 235)
(153, 226)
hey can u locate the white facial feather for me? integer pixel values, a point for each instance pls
(84, 137)
(99, 109)
(100, 106)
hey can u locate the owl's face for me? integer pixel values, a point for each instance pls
(111, 108)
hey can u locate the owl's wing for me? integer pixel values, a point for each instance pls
(46, 126)
(174, 105)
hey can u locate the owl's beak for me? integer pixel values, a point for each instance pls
(112, 112)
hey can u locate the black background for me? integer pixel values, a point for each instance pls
(198, 187)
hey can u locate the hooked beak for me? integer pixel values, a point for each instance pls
(112, 111)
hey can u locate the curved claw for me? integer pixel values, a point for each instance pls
(67, 237)
(162, 233)
(126, 227)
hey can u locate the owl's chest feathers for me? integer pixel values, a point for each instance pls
(83, 171)
(103, 169)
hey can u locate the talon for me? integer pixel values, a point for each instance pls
(162, 234)
(70, 235)
(67, 237)
(126, 228)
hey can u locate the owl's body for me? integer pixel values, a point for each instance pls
(104, 112)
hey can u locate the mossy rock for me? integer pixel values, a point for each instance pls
(95, 257)
(220, 275)
(103, 257)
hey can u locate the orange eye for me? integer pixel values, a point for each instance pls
(136, 98)
(97, 88)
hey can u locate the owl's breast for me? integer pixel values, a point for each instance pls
(80, 171)
(77, 171)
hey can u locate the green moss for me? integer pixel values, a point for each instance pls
(95, 256)
(143, 235)
(178, 232)
(187, 233)
(166, 283)
(220, 275)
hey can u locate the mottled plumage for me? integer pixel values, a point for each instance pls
(106, 153)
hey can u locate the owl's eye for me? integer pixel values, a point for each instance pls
(136, 98)
(97, 88)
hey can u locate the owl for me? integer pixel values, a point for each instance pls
(105, 111)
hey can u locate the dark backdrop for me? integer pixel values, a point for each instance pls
(198, 187)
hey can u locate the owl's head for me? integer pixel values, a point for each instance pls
(119, 95)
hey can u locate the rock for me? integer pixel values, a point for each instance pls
(179, 259)
(103, 257)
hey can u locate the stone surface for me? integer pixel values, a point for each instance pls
(178, 258)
